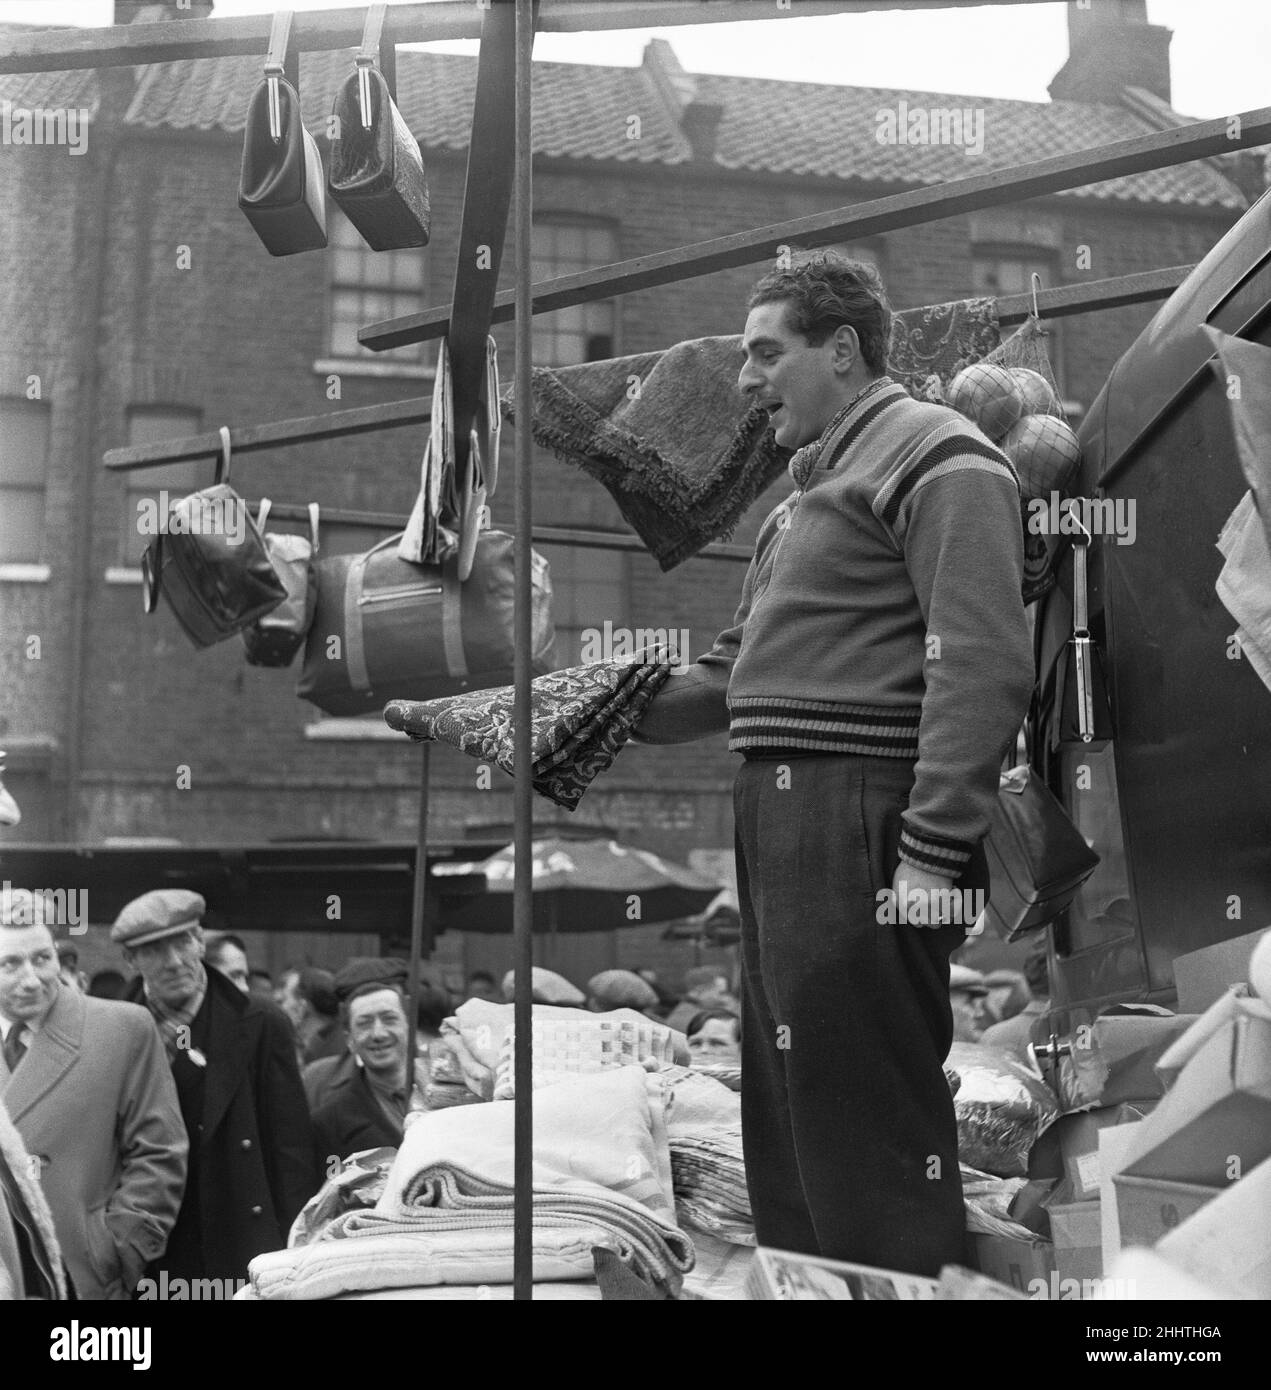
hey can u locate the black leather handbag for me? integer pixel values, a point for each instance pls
(377, 172)
(281, 186)
(1037, 857)
(211, 564)
(275, 638)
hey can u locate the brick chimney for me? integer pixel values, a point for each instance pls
(1112, 46)
(697, 119)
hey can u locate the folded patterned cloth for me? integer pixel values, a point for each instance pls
(581, 719)
(669, 436)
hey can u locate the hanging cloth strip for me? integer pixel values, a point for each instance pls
(581, 719)
(669, 436)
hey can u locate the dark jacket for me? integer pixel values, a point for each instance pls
(252, 1161)
(351, 1119)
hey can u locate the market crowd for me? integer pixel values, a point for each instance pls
(174, 1124)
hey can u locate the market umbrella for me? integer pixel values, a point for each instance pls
(579, 885)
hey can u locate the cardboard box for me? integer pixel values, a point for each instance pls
(1112, 1146)
(1014, 1262)
(1149, 1208)
(1078, 1136)
(1228, 1241)
(1077, 1232)
(1114, 1059)
(1214, 1126)
(1238, 1002)
(1203, 977)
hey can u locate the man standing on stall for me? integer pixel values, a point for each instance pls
(876, 672)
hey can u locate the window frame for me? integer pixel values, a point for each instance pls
(28, 569)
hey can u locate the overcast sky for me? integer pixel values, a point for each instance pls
(1219, 56)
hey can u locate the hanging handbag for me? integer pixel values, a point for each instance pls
(377, 172)
(281, 186)
(1037, 857)
(211, 563)
(386, 629)
(274, 640)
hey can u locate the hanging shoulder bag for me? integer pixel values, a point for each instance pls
(1037, 857)
(210, 562)
(377, 172)
(387, 629)
(281, 186)
(275, 638)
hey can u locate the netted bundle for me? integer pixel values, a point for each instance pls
(1041, 445)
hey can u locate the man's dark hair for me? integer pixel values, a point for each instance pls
(317, 987)
(107, 984)
(481, 975)
(432, 1005)
(700, 1020)
(822, 291)
(225, 938)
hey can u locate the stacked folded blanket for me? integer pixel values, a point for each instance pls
(601, 1179)
(707, 1167)
(580, 719)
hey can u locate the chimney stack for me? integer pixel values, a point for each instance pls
(1112, 46)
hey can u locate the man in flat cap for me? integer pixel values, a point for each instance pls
(252, 1164)
(86, 1085)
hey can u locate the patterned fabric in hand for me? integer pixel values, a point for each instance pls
(581, 719)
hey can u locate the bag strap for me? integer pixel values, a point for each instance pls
(281, 62)
(452, 618)
(377, 51)
(1081, 632)
(223, 462)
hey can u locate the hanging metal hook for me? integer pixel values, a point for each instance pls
(222, 464)
(1035, 280)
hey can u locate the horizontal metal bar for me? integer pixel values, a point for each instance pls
(542, 535)
(1197, 140)
(1113, 293)
(168, 41)
(1065, 300)
(304, 429)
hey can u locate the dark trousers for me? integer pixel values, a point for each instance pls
(850, 1139)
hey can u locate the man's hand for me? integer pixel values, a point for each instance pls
(908, 880)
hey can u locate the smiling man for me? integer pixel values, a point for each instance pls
(86, 1085)
(367, 1106)
(876, 671)
(251, 1146)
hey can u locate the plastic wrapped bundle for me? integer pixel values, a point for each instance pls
(1002, 1109)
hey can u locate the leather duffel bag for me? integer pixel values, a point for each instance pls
(387, 629)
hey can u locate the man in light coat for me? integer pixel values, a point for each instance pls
(87, 1085)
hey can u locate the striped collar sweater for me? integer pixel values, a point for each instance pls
(881, 615)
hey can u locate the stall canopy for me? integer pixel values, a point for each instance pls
(311, 886)
(579, 885)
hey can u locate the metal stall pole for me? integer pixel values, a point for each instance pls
(523, 791)
(419, 890)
